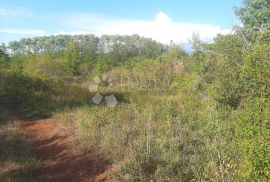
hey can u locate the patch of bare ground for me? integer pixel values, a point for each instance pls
(59, 160)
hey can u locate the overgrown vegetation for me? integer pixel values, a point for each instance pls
(180, 117)
(17, 162)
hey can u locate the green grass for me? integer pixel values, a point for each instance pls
(207, 124)
(17, 163)
(151, 137)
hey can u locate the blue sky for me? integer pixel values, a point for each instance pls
(159, 19)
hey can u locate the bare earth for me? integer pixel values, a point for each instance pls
(59, 161)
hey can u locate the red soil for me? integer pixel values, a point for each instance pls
(59, 161)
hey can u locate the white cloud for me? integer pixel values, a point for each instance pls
(162, 28)
(72, 33)
(14, 11)
(26, 32)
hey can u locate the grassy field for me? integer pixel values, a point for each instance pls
(17, 161)
(153, 111)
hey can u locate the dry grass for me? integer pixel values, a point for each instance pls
(16, 160)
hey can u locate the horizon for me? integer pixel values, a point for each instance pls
(161, 21)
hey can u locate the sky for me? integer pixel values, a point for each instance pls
(161, 20)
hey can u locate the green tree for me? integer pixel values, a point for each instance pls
(73, 55)
(3, 59)
(255, 13)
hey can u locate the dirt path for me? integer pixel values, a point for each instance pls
(59, 161)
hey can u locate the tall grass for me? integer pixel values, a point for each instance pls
(161, 138)
(17, 162)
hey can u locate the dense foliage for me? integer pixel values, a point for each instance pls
(207, 119)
